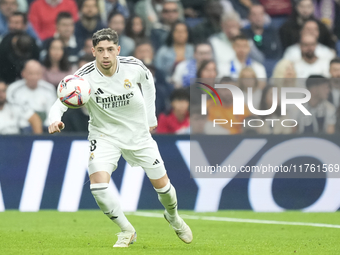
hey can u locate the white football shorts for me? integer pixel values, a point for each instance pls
(104, 156)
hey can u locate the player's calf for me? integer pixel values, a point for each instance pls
(109, 204)
(167, 196)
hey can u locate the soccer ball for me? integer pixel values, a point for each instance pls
(73, 91)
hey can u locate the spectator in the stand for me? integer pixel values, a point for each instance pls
(247, 79)
(89, 21)
(242, 7)
(160, 30)
(177, 121)
(11, 115)
(135, 29)
(65, 32)
(323, 116)
(222, 42)
(206, 73)
(32, 91)
(225, 111)
(272, 127)
(310, 64)
(116, 21)
(325, 12)
(108, 6)
(178, 48)
(242, 59)
(293, 52)
(87, 48)
(265, 38)
(151, 11)
(15, 49)
(187, 69)
(211, 24)
(284, 69)
(290, 30)
(18, 22)
(278, 10)
(56, 63)
(43, 15)
(207, 70)
(144, 52)
(84, 59)
(7, 8)
(284, 75)
(334, 70)
(193, 9)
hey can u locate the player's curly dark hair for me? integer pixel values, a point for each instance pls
(107, 34)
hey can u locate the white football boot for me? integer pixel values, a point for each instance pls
(125, 239)
(182, 230)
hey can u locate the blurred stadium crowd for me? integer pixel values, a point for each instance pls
(249, 43)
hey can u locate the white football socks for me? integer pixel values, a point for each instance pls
(167, 196)
(110, 205)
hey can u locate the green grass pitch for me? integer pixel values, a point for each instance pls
(90, 232)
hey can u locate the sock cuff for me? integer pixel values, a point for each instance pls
(165, 189)
(98, 186)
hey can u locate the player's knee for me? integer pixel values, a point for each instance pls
(98, 188)
(165, 188)
(160, 182)
(100, 177)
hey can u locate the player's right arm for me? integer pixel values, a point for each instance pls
(56, 112)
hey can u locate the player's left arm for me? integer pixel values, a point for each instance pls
(149, 94)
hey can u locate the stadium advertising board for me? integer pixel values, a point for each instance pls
(49, 172)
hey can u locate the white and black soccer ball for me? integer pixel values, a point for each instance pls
(74, 91)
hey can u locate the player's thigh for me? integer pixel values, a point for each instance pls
(148, 158)
(104, 156)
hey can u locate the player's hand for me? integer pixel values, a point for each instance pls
(56, 126)
(152, 128)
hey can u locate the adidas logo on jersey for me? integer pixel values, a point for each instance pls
(156, 162)
(99, 91)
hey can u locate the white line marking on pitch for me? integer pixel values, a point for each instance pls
(212, 218)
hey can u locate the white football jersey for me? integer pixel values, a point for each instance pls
(121, 107)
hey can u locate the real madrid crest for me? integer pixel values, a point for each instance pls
(127, 84)
(91, 156)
